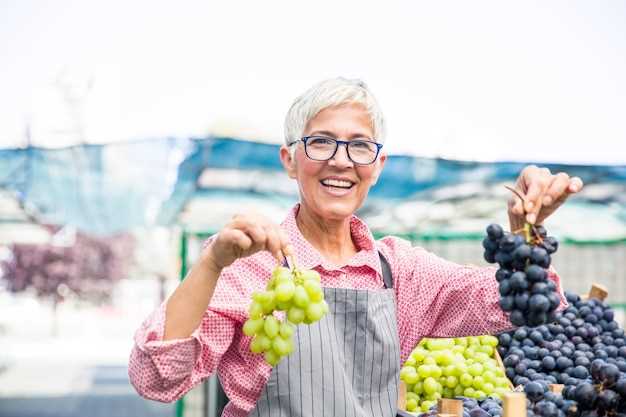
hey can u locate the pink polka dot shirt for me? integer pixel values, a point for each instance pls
(435, 298)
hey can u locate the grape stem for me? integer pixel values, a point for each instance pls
(514, 191)
(292, 262)
(527, 226)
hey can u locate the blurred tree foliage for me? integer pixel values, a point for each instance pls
(87, 268)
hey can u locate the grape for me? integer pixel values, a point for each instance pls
(252, 326)
(314, 311)
(313, 290)
(300, 297)
(607, 400)
(270, 305)
(286, 329)
(283, 305)
(262, 297)
(282, 346)
(494, 232)
(310, 275)
(430, 385)
(295, 315)
(296, 292)
(271, 357)
(285, 290)
(256, 310)
(534, 391)
(260, 343)
(585, 395)
(271, 326)
(538, 303)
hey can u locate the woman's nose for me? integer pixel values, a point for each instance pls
(341, 157)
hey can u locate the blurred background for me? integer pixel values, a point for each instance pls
(131, 131)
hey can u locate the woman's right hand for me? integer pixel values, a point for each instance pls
(245, 235)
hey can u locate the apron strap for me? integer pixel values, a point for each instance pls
(386, 270)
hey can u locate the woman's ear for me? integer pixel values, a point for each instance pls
(288, 161)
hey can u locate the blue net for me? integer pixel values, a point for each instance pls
(105, 189)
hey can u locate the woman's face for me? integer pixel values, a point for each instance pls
(334, 189)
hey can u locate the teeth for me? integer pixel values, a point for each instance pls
(337, 183)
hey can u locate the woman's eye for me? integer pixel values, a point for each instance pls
(320, 141)
(362, 145)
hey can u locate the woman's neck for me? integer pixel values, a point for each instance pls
(332, 239)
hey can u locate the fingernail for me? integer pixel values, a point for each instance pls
(547, 200)
(529, 206)
(573, 188)
(530, 218)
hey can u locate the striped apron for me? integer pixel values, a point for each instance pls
(345, 365)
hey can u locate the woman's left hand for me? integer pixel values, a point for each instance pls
(543, 193)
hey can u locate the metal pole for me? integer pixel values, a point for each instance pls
(180, 404)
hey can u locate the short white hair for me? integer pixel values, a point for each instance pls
(330, 93)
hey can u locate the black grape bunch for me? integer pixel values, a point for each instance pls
(524, 258)
(604, 395)
(540, 402)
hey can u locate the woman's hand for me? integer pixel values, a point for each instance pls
(245, 235)
(543, 193)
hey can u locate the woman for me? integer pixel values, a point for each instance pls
(384, 296)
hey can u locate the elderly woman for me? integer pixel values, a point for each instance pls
(383, 295)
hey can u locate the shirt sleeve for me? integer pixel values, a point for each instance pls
(166, 370)
(439, 298)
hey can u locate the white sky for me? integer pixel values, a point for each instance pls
(486, 80)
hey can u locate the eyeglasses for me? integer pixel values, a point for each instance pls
(322, 148)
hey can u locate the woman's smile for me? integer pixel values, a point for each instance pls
(337, 186)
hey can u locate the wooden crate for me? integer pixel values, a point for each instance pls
(501, 364)
(597, 291)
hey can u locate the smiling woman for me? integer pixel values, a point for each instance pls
(383, 295)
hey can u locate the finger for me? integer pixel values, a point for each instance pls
(568, 192)
(516, 206)
(536, 182)
(273, 242)
(557, 189)
(239, 239)
(522, 181)
(256, 233)
(285, 245)
(533, 201)
(575, 185)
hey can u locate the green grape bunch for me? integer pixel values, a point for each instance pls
(295, 292)
(448, 368)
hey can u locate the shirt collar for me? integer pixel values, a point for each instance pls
(309, 257)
